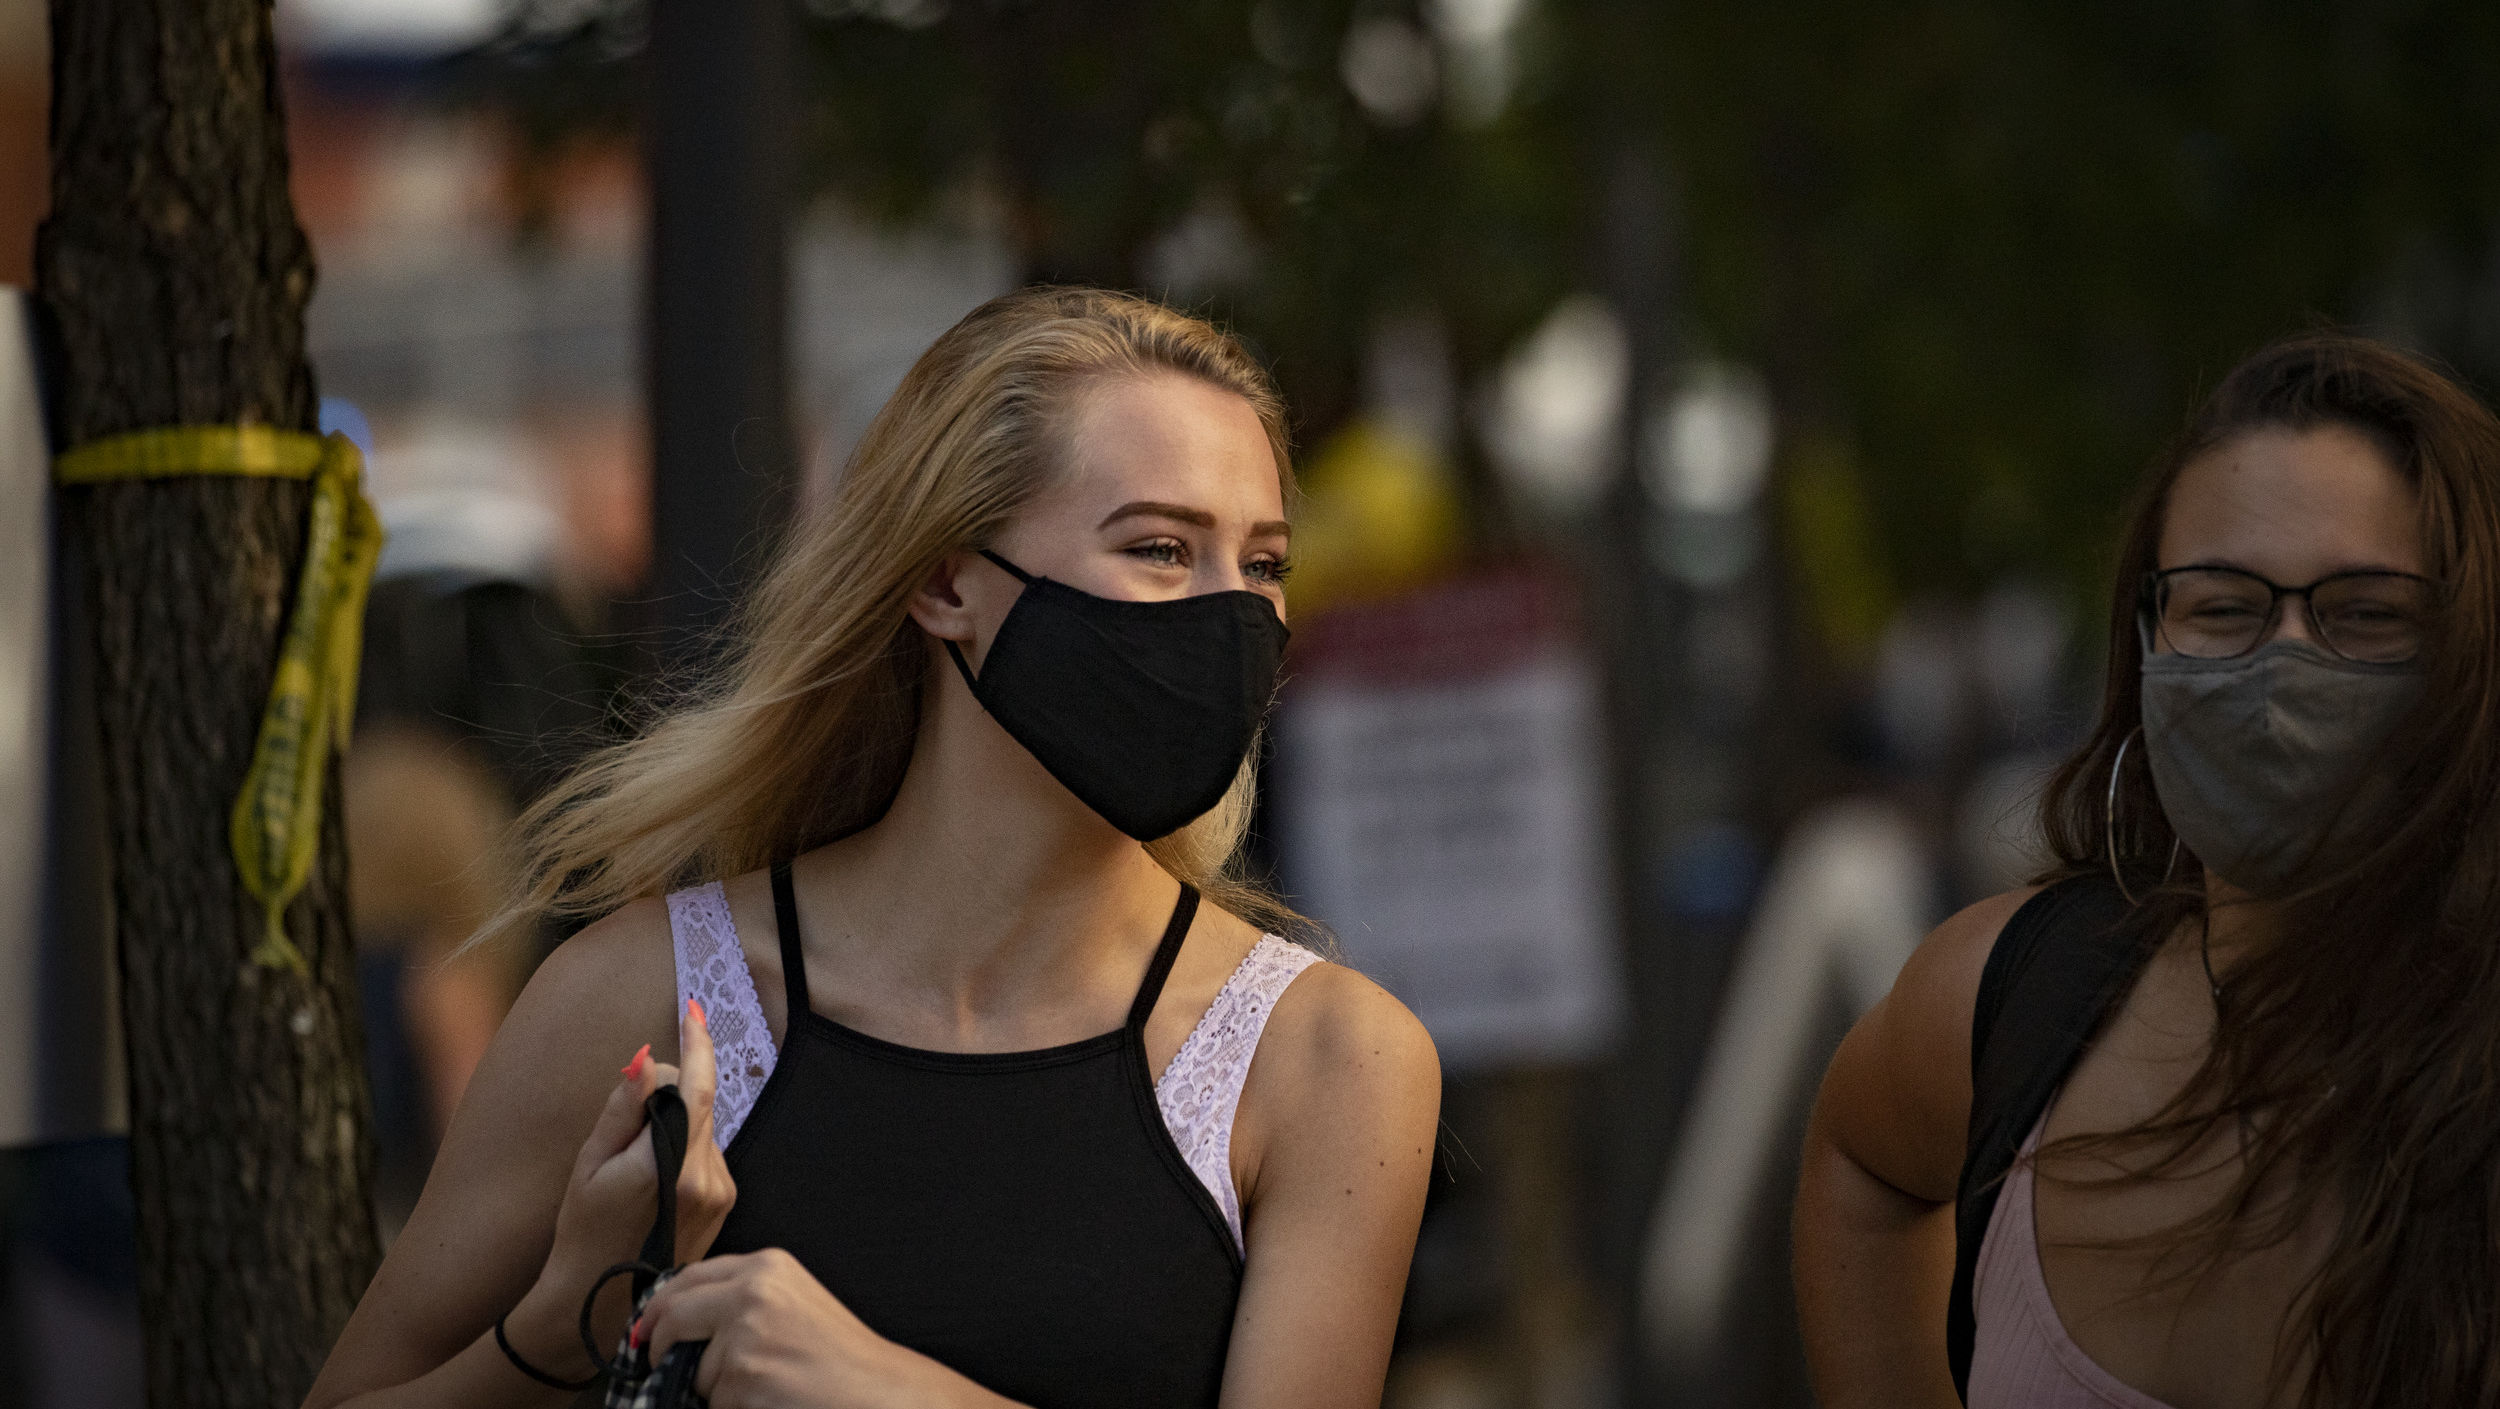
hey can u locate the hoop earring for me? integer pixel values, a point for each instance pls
(2109, 823)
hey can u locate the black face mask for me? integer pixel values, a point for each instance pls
(1144, 710)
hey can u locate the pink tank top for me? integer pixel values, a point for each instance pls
(2022, 1357)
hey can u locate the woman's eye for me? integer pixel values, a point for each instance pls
(1163, 552)
(1274, 570)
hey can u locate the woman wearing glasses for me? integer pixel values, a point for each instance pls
(2212, 1118)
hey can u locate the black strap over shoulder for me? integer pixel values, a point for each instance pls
(1184, 910)
(2060, 964)
(793, 953)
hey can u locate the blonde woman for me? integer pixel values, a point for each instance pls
(969, 1064)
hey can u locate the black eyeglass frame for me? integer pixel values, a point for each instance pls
(2148, 605)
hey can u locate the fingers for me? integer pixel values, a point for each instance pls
(687, 1310)
(646, 1076)
(709, 1271)
(620, 1117)
(633, 1165)
(716, 1299)
(706, 1192)
(700, 1077)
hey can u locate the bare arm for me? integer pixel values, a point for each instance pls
(1883, 1159)
(1333, 1154)
(544, 1178)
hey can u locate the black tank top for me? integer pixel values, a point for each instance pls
(1023, 1218)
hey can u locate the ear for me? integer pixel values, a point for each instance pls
(939, 604)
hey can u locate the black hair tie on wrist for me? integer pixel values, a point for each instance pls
(504, 1343)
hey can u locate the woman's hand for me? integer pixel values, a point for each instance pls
(614, 1191)
(779, 1340)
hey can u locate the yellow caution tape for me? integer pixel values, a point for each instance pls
(276, 826)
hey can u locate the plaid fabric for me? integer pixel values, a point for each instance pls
(634, 1384)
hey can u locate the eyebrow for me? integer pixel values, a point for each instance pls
(2232, 565)
(1182, 513)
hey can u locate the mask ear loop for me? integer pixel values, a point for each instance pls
(1019, 575)
(2109, 823)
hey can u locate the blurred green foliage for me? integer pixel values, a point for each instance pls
(2002, 246)
(1995, 247)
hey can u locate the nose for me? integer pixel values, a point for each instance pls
(2291, 622)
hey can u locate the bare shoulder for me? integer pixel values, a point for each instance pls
(601, 994)
(1897, 1095)
(1345, 1088)
(1334, 1028)
(1940, 982)
(619, 972)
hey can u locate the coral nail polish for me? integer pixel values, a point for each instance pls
(641, 1059)
(695, 1006)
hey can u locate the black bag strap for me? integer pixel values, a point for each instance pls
(667, 1112)
(664, 1111)
(2060, 965)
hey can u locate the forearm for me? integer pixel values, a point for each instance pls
(1874, 1269)
(544, 1329)
(923, 1383)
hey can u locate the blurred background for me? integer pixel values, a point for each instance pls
(1714, 422)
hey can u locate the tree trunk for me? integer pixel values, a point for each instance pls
(177, 278)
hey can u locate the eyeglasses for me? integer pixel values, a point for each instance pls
(2377, 618)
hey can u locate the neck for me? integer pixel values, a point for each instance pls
(2237, 924)
(987, 885)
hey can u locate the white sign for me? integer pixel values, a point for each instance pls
(1440, 808)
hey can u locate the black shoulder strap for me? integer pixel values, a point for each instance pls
(2059, 965)
(793, 954)
(1159, 968)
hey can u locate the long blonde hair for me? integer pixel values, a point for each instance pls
(802, 733)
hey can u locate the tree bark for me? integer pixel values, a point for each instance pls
(177, 276)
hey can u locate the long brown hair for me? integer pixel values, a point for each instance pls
(2357, 1054)
(803, 733)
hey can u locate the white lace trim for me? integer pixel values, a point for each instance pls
(1201, 1089)
(1199, 1093)
(712, 969)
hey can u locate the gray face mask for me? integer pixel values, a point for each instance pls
(2254, 757)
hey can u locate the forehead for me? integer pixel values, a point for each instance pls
(2293, 506)
(1173, 439)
